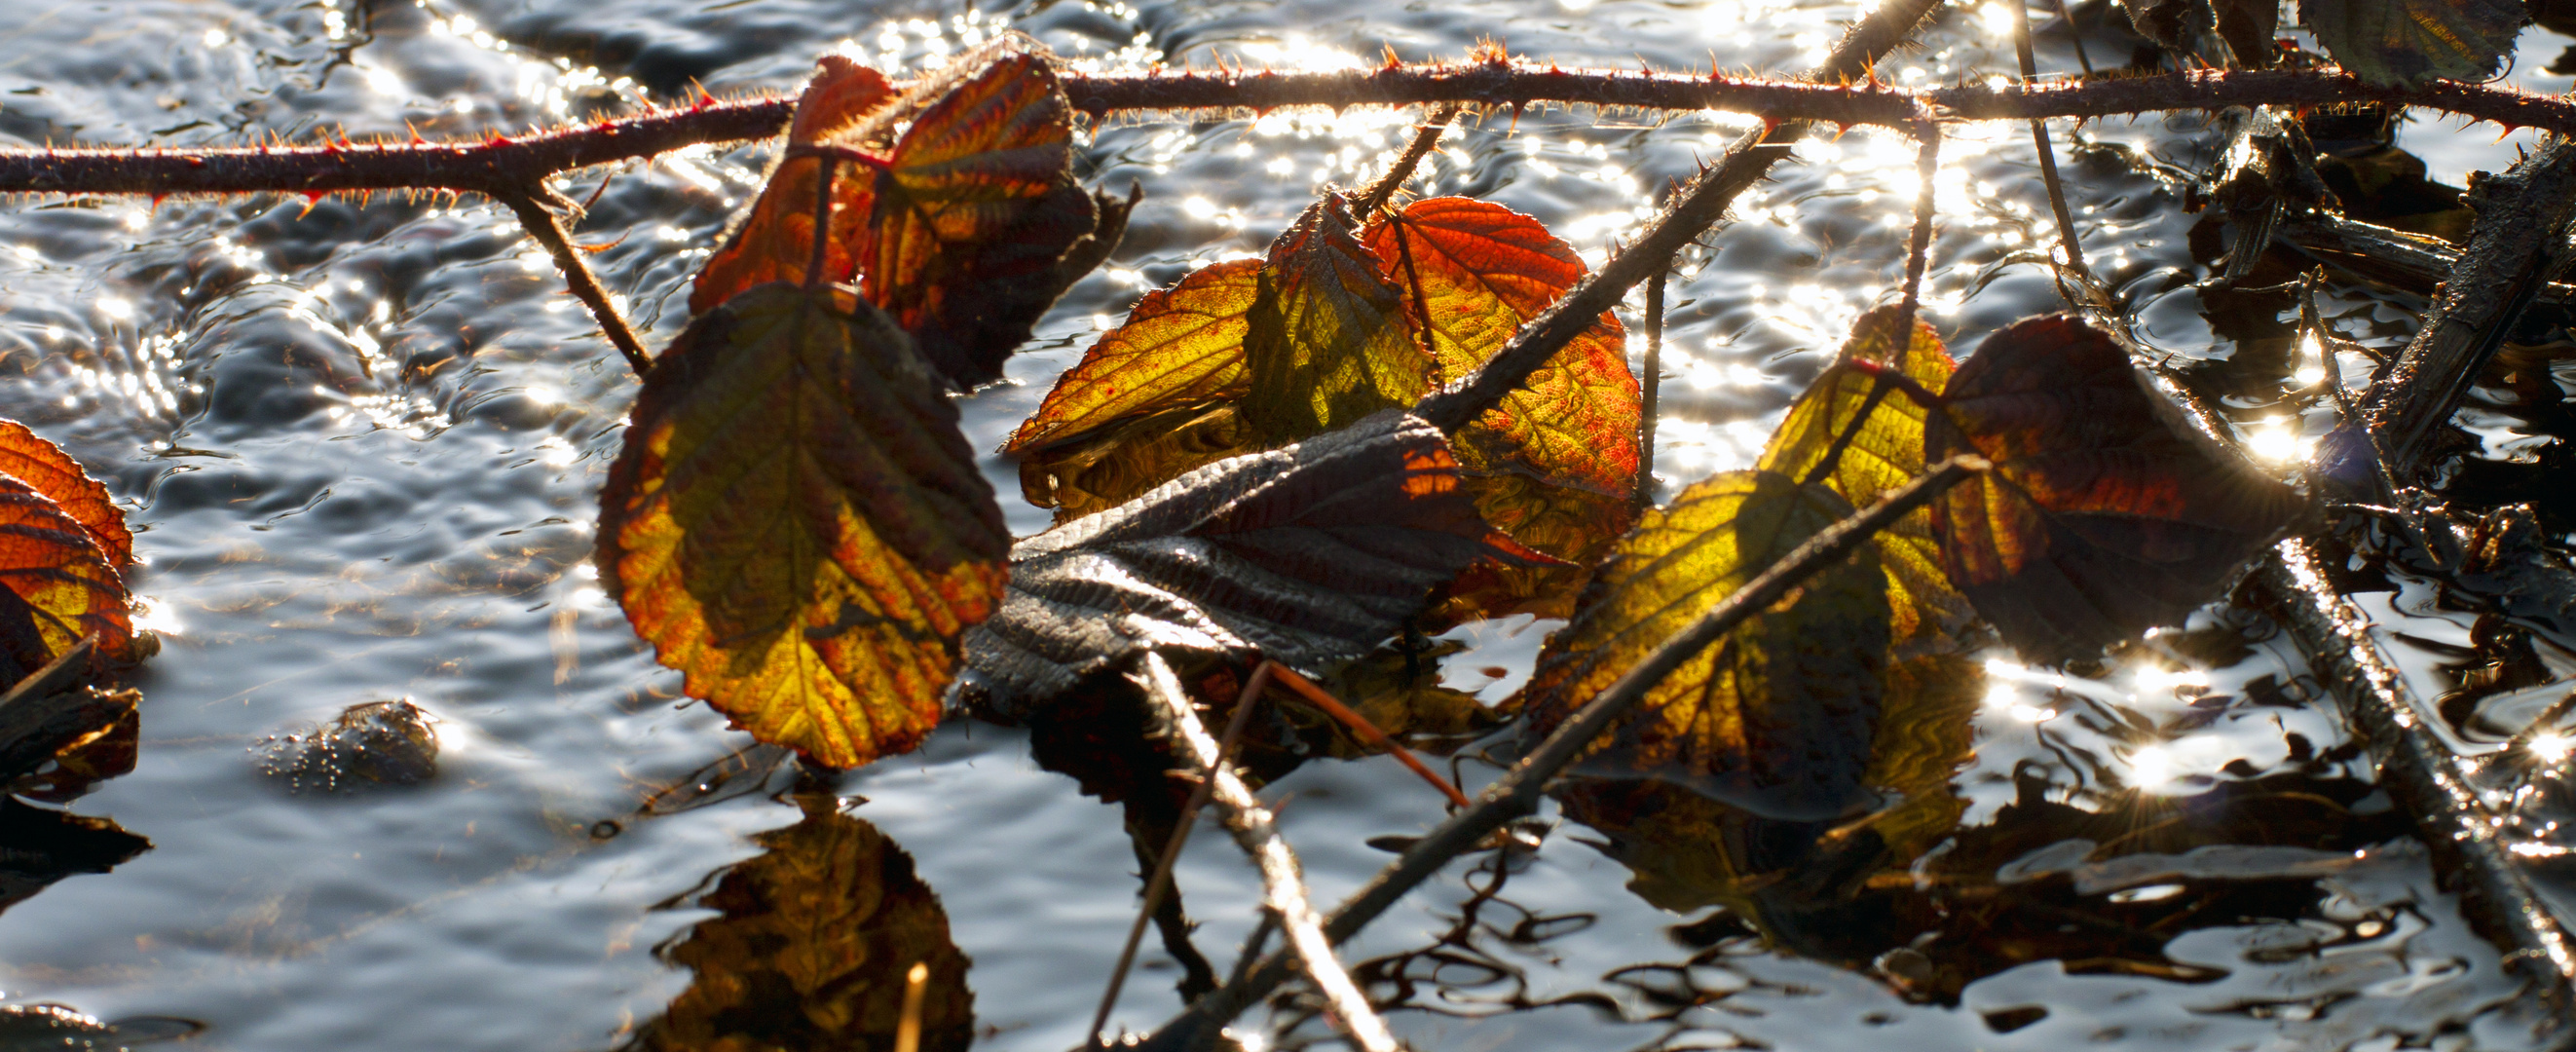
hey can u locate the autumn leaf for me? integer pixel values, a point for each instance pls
(1308, 555)
(1326, 342)
(1152, 399)
(2101, 518)
(1884, 452)
(60, 587)
(975, 217)
(796, 524)
(810, 948)
(774, 241)
(29, 458)
(1776, 718)
(953, 205)
(2409, 42)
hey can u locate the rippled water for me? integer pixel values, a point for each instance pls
(360, 442)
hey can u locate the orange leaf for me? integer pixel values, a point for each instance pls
(774, 241)
(1327, 343)
(797, 524)
(26, 456)
(1472, 272)
(978, 208)
(2100, 519)
(60, 587)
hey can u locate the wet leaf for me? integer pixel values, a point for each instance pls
(60, 586)
(1308, 555)
(1885, 452)
(40, 845)
(977, 207)
(1326, 342)
(796, 523)
(774, 241)
(811, 947)
(1135, 411)
(2409, 42)
(1777, 717)
(27, 457)
(2101, 518)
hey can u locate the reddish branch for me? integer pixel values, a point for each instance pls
(501, 162)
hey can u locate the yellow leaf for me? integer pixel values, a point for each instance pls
(796, 523)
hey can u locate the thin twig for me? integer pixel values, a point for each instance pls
(2039, 139)
(1160, 883)
(1516, 794)
(543, 224)
(1425, 139)
(494, 165)
(2075, 33)
(1368, 731)
(1649, 385)
(1282, 888)
(1900, 333)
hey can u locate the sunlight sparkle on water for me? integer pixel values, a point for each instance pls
(2150, 768)
(155, 616)
(2552, 747)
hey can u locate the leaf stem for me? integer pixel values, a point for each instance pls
(1516, 794)
(1425, 139)
(2039, 139)
(821, 252)
(1350, 717)
(543, 224)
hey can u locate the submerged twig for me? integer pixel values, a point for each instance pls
(1351, 718)
(1283, 889)
(1516, 794)
(542, 222)
(1161, 881)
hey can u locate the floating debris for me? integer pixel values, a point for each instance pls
(387, 742)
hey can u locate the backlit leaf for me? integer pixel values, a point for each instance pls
(1885, 452)
(1555, 464)
(1326, 342)
(774, 241)
(977, 208)
(1777, 717)
(1308, 555)
(60, 585)
(2101, 518)
(810, 947)
(29, 458)
(2409, 42)
(1137, 410)
(797, 525)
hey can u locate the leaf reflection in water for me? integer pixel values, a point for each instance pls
(812, 947)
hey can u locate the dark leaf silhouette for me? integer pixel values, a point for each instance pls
(1307, 555)
(1884, 452)
(39, 846)
(812, 946)
(796, 523)
(2409, 42)
(2102, 517)
(1777, 717)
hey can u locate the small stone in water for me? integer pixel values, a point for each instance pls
(387, 742)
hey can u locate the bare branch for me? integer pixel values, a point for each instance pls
(1282, 887)
(544, 224)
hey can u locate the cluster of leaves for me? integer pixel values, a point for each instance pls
(2404, 42)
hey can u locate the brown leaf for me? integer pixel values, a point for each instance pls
(26, 456)
(60, 586)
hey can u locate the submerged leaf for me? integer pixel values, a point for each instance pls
(1326, 343)
(2409, 42)
(1884, 452)
(810, 947)
(60, 587)
(796, 524)
(774, 241)
(1776, 718)
(1307, 555)
(2101, 518)
(29, 458)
